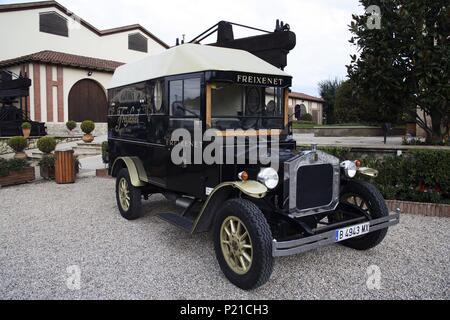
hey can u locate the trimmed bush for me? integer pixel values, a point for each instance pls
(105, 154)
(419, 175)
(18, 144)
(71, 125)
(26, 125)
(46, 144)
(306, 117)
(47, 162)
(87, 126)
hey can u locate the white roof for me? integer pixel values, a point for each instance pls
(189, 58)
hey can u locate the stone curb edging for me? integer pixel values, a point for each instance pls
(424, 209)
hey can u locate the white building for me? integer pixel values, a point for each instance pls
(307, 104)
(69, 61)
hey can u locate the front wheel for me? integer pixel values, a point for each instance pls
(129, 198)
(363, 197)
(243, 244)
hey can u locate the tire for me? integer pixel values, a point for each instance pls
(134, 210)
(260, 239)
(376, 208)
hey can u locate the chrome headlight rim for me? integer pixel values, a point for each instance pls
(350, 169)
(269, 177)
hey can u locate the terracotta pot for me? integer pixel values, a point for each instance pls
(20, 156)
(88, 138)
(26, 133)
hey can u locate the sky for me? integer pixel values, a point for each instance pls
(321, 26)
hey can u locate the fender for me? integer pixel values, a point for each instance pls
(138, 176)
(220, 194)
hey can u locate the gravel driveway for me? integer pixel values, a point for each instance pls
(46, 228)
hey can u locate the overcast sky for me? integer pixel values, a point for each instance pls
(321, 26)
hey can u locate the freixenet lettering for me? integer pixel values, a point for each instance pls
(259, 80)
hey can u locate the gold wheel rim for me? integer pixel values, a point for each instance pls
(236, 244)
(124, 194)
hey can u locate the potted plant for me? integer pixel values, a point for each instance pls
(18, 144)
(26, 129)
(47, 164)
(71, 125)
(15, 171)
(88, 127)
(47, 167)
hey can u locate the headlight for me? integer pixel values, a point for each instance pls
(349, 168)
(268, 177)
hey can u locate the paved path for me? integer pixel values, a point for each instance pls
(46, 228)
(359, 142)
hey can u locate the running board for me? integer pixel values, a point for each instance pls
(177, 220)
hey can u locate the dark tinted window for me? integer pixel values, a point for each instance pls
(191, 95)
(51, 22)
(185, 98)
(138, 42)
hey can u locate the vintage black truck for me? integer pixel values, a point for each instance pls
(256, 211)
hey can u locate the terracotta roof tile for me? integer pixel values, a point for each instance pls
(302, 96)
(65, 59)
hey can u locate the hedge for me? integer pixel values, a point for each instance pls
(419, 175)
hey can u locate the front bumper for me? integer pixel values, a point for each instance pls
(287, 248)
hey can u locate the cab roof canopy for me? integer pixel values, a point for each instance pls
(191, 58)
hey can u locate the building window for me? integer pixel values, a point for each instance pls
(137, 42)
(53, 23)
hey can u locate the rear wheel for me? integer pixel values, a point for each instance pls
(129, 198)
(364, 198)
(243, 244)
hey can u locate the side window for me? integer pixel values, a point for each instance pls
(191, 96)
(53, 23)
(158, 97)
(176, 98)
(185, 98)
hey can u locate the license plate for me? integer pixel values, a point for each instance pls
(352, 232)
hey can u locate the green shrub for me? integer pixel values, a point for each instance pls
(105, 152)
(306, 117)
(419, 175)
(47, 162)
(71, 125)
(18, 144)
(26, 125)
(87, 126)
(46, 144)
(12, 165)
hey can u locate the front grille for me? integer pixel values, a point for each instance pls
(314, 186)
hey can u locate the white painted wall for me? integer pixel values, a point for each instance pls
(310, 106)
(20, 31)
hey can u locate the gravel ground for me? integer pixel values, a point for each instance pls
(45, 228)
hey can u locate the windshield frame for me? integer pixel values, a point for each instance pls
(243, 120)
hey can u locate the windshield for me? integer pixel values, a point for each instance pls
(246, 107)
